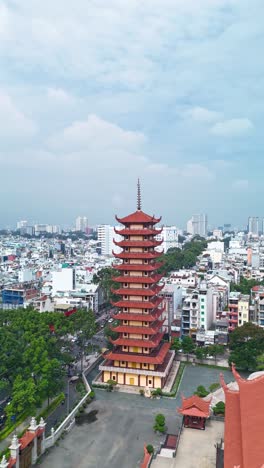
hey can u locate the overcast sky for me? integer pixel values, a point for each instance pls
(94, 93)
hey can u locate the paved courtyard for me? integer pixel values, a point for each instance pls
(124, 423)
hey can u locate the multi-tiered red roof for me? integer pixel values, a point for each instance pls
(139, 307)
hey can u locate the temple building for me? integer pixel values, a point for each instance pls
(140, 357)
(195, 411)
(244, 410)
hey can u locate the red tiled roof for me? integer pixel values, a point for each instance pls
(26, 439)
(139, 330)
(139, 243)
(151, 317)
(138, 279)
(138, 255)
(244, 409)
(148, 267)
(138, 232)
(158, 359)
(139, 304)
(138, 292)
(138, 342)
(138, 217)
(195, 406)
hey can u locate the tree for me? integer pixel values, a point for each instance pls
(201, 391)
(176, 344)
(159, 425)
(214, 386)
(84, 326)
(188, 345)
(106, 278)
(199, 353)
(219, 408)
(23, 396)
(246, 344)
(216, 350)
(260, 362)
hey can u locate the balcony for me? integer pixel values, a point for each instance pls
(129, 370)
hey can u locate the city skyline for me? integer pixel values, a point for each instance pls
(85, 110)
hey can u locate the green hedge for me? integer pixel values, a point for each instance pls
(47, 411)
(11, 427)
(176, 382)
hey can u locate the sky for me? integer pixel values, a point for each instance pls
(95, 93)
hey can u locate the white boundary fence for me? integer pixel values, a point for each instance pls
(69, 421)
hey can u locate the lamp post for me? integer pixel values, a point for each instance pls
(68, 396)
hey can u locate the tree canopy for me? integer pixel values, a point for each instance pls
(34, 353)
(247, 345)
(176, 258)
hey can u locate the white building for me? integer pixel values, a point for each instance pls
(25, 275)
(63, 280)
(106, 235)
(21, 224)
(81, 223)
(170, 236)
(197, 225)
(172, 295)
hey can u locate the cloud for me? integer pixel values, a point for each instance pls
(232, 127)
(14, 122)
(59, 95)
(203, 115)
(240, 184)
(95, 132)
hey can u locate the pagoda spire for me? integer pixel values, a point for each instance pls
(138, 195)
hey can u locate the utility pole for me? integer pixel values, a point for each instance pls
(68, 396)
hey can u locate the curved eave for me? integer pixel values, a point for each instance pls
(139, 304)
(137, 342)
(158, 359)
(138, 217)
(138, 330)
(139, 317)
(138, 279)
(138, 255)
(137, 292)
(142, 267)
(143, 243)
(138, 232)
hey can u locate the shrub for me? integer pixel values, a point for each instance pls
(219, 408)
(81, 410)
(214, 386)
(160, 423)
(150, 448)
(92, 394)
(201, 391)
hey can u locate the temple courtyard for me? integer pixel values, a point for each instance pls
(121, 423)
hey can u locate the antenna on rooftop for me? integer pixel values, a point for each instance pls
(138, 195)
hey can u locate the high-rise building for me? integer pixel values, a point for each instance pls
(253, 225)
(107, 235)
(81, 224)
(139, 357)
(22, 224)
(197, 225)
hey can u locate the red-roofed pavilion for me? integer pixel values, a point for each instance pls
(139, 356)
(195, 411)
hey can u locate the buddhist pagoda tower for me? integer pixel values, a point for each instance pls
(139, 356)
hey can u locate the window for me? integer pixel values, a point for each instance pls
(145, 273)
(126, 272)
(125, 347)
(146, 310)
(202, 299)
(145, 323)
(145, 365)
(114, 377)
(145, 285)
(126, 285)
(125, 309)
(145, 336)
(125, 335)
(145, 261)
(150, 382)
(145, 349)
(125, 297)
(125, 322)
(145, 298)
(123, 362)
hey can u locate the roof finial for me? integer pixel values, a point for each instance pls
(138, 196)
